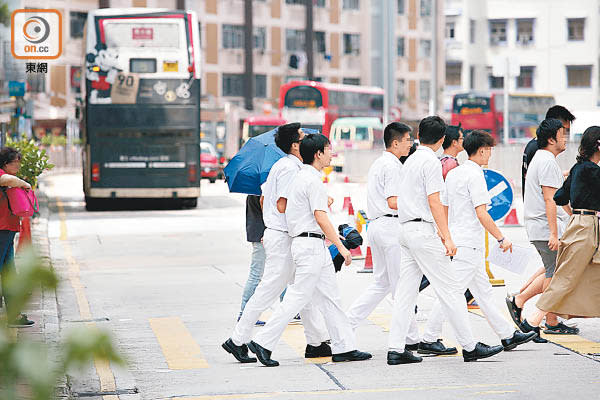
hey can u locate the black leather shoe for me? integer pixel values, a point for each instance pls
(395, 358)
(480, 351)
(436, 348)
(412, 347)
(239, 352)
(525, 327)
(517, 338)
(514, 311)
(353, 355)
(322, 350)
(263, 355)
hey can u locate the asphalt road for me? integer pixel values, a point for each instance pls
(167, 284)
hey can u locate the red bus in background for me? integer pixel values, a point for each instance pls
(486, 111)
(318, 104)
(255, 125)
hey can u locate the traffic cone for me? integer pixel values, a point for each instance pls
(325, 179)
(346, 179)
(347, 203)
(368, 267)
(24, 234)
(511, 219)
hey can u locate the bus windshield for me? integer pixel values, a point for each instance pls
(255, 130)
(137, 34)
(303, 97)
(471, 105)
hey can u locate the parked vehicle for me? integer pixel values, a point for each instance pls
(353, 134)
(210, 168)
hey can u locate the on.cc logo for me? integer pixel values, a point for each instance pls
(36, 29)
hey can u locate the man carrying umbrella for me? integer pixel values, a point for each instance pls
(279, 266)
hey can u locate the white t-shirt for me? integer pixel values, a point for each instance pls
(306, 195)
(542, 171)
(465, 190)
(382, 177)
(421, 176)
(282, 173)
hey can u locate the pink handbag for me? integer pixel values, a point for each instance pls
(22, 202)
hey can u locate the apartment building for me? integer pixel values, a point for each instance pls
(552, 45)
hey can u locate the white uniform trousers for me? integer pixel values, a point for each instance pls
(423, 253)
(279, 271)
(315, 279)
(469, 266)
(385, 249)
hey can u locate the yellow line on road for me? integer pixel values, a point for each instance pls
(343, 392)
(103, 370)
(178, 346)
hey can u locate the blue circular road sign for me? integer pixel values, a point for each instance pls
(501, 193)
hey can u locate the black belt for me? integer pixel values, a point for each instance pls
(584, 212)
(312, 235)
(417, 220)
(391, 215)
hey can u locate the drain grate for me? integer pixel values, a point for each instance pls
(98, 394)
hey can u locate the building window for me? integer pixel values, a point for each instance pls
(320, 3)
(77, 23)
(472, 30)
(260, 86)
(295, 40)
(425, 8)
(233, 85)
(525, 78)
(576, 27)
(295, 2)
(351, 81)
(579, 76)
(401, 90)
(424, 90)
(453, 73)
(260, 37)
(351, 43)
(472, 77)
(424, 48)
(401, 7)
(525, 31)
(351, 5)
(496, 82)
(400, 47)
(450, 30)
(497, 32)
(233, 36)
(320, 42)
(36, 83)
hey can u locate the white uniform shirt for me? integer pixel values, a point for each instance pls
(421, 176)
(382, 178)
(282, 173)
(465, 190)
(542, 171)
(306, 195)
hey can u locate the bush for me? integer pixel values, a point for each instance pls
(34, 161)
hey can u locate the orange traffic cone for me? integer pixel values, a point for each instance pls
(325, 179)
(347, 202)
(24, 234)
(511, 219)
(368, 267)
(346, 179)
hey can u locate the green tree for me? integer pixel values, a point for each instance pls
(30, 369)
(4, 14)
(34, 161)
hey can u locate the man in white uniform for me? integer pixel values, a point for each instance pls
(383, 228)
(544, 220)
(308, 224)
(467, 197)
(279, 266)
(425, 250)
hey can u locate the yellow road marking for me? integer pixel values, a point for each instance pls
(178, 346)
(103, 370)
(342, 392)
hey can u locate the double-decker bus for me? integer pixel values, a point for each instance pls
(486, 111)
(141, 106)
(317, 104)
(258, 124)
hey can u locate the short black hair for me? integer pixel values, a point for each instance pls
(452, 134)
(287, 135)
(310, 145)
(560, 112)
(476, 140)
(8, 155)
(547, 130)
(431, 129)
(394, 131)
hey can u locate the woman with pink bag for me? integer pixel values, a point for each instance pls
(10, 162)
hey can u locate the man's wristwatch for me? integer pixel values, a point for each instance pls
(501, 240)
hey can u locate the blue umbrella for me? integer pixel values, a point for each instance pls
(249, 168)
